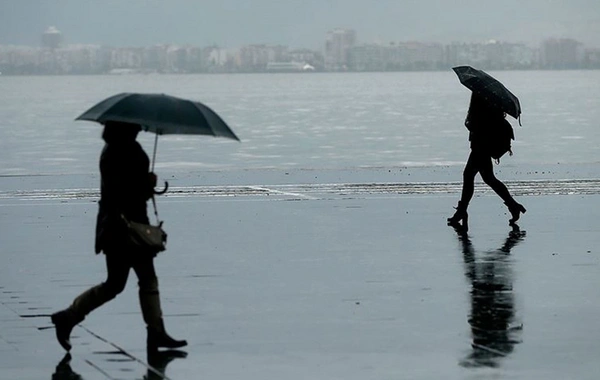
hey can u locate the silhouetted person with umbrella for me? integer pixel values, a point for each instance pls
(481, 119)
(126, 186)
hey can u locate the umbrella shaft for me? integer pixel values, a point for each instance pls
(154, 153)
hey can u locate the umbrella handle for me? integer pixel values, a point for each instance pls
(161, 192)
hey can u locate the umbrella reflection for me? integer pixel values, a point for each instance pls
(493, 329)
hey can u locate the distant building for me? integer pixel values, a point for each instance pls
(338, 43)
(217, 59)
(592, 59)
(311, 57)
(368, 57)
(491, 55)
(52, 38)
(254, 58)
(415, 56)
(562, 53)
(396, 57)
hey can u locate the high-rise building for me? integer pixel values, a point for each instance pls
(562, 53)
(52, 38)
(337, 44)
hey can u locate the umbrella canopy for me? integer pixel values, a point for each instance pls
(161, 114)
(489, 88)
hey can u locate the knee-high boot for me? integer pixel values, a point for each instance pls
(65, 320)
(152, 313)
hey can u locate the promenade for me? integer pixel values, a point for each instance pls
(316, 274)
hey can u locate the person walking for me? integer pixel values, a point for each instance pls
(481, 120)
(126, 186)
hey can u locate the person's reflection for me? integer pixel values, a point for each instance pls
(158, 361)
(492, 303)
(63, 370)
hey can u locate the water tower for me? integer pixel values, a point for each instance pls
(52, 38)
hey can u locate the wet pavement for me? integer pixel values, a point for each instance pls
(320, 275)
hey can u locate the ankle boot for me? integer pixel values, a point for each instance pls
(459, 215)
(515, 210)
(158, 337)
(64, 321)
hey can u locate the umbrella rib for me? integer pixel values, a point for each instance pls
(203, 117)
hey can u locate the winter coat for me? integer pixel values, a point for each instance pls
(480, 134)
(482, 119)
(124, 190)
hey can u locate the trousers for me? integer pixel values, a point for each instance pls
(118, 266)
(481, 162)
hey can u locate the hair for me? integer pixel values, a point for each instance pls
(480, 108)
(118, 132)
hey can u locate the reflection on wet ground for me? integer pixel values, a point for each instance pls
(347, 281)
(492, 317)
(158, 361)
(63, 370)
(156, 366)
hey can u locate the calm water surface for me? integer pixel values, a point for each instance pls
(301, 120)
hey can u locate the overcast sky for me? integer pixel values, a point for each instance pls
(297, 23)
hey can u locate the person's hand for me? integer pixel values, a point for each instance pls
(152, 179)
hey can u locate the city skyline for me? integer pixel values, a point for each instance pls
(341, 53)
(63, 41)
(296, 23)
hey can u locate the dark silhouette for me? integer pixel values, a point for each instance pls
(63, 370)
(126, 186)
(481, 119)
(159, 360)
(492, 303)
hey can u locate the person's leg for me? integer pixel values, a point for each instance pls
(468, 188)
(117, 272)
(487, 174)
(469, 173)
(94, 297)
(486, 169)
(150, 304)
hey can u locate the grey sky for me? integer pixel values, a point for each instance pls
(297, 23)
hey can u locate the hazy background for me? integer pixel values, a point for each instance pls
(297, 23)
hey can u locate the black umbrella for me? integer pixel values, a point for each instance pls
(490, 89)
(161, 114)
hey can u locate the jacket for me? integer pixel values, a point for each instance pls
(124, 190)
(482, 120)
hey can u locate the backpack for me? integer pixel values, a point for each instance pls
(500, 137)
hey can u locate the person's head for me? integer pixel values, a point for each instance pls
(481, 107)
(118, 132)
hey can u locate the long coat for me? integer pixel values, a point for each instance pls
(125, 189)
(482, 120)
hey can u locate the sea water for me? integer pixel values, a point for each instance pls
(315, 121)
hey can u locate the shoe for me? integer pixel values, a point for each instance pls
(64, 323)
(158, 338)
(515, 210)
(459, 215)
